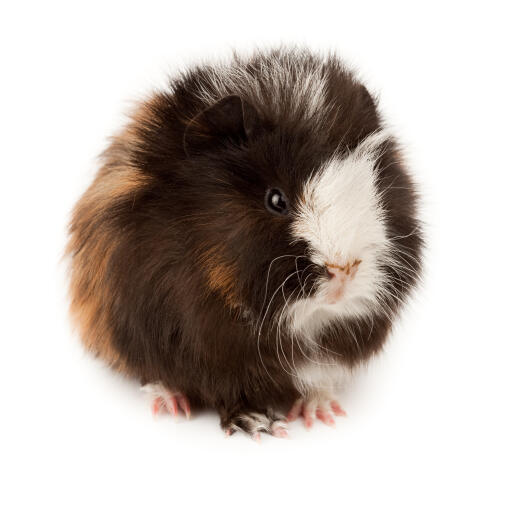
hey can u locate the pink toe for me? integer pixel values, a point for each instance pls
(184, 404)
(172, 405)
(308, 417)
(325, 417)
(336, 408)
(155, 407)
(256, 437)
(295, 410)
(280, 432)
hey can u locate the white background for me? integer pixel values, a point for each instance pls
(429, 422)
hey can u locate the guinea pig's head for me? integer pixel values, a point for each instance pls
(296, 228)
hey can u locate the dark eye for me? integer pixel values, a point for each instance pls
(276, 201)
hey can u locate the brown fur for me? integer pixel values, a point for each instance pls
(92, 243)
(221, 276)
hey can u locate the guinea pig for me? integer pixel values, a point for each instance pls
(249, 238)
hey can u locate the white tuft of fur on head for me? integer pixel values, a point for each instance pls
(341, 217)
(283, 76)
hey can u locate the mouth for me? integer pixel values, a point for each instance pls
(339, 278)
(346, 289)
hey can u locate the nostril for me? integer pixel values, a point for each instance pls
(331, 271)
(330, 274)
(341, 272)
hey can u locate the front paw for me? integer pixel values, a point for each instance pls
(253, 423)
(322, 405)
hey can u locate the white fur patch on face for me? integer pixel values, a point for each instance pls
(341, 218)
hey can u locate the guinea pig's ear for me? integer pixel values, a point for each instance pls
(230, 119)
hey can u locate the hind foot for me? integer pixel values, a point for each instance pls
(323, 406)
(167, 400)
(253, 423)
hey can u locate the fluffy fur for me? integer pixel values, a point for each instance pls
(181, 276)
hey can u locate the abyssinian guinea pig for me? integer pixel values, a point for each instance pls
(250, 236)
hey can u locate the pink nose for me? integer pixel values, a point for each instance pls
(342, 273)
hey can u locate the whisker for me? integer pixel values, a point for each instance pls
(263, 321)
(268, 277)
(279, 334)
(400, 237)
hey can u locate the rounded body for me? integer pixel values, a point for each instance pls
(251, 233)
